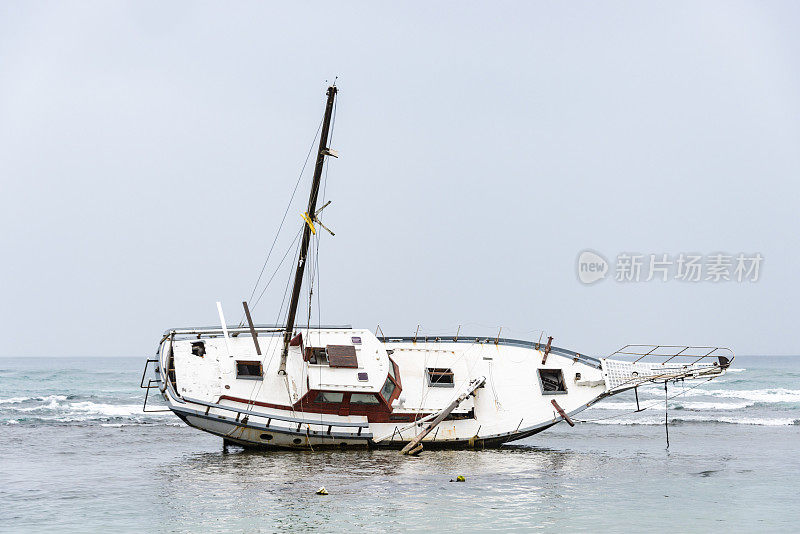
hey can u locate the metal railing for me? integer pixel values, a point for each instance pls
(577, 356)
(633, 365)
(665, 353)
(151, 384)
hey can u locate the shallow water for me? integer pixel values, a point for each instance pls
(78, 455)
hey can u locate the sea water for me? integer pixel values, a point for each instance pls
(78, 455)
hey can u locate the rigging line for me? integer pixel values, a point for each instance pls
(425, 393)
(314, 271)
(330, 143)
(286, 292)
(285, 255)
(310, 280)
(427, 390)
(273, 338)
(288, 206)
(319, 237)
(283, 301)
(311, 274)
(286, 321)
(315, 267)
(666, 412)
(655, 403)
(257, 387)
(319, 305)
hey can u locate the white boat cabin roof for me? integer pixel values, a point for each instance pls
(342, 359)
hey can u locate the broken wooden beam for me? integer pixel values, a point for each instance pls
(562, 413)
(411, 447)
(252, 328)
(547, 349)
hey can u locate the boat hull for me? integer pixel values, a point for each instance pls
(507, 402)
(251, 437)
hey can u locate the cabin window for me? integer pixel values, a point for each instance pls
(552, 381)
(249, 370)
(364, 398)
(199, 348)
(329, 396)
(388, 389)
(439, 377)
(316, 355)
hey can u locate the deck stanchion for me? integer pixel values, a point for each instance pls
(224, 329)
(547, 349)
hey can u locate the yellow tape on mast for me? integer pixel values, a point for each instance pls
(310, 224)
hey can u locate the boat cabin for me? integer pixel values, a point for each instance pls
(346, 372)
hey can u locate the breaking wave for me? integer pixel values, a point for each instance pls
(650, 420)
(61, 409)
(49, 398)
(677, 405)
(766, 406)
(758, 395)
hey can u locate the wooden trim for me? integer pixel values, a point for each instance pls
(255, 403)
(375, 413)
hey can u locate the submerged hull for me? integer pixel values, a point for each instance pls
(250, 437)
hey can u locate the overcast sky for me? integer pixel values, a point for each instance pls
(148, 151)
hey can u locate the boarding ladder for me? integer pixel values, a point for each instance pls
(151, 384)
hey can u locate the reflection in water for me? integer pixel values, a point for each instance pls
(368, 489)
(591, 478)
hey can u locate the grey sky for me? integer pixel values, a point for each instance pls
(147, 152)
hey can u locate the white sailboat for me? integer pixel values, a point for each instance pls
(308, 387)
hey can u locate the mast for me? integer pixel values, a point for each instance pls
(309, 217)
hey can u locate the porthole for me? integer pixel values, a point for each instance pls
(266, 437)
(297, 441)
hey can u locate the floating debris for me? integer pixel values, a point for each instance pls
(322, 491)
